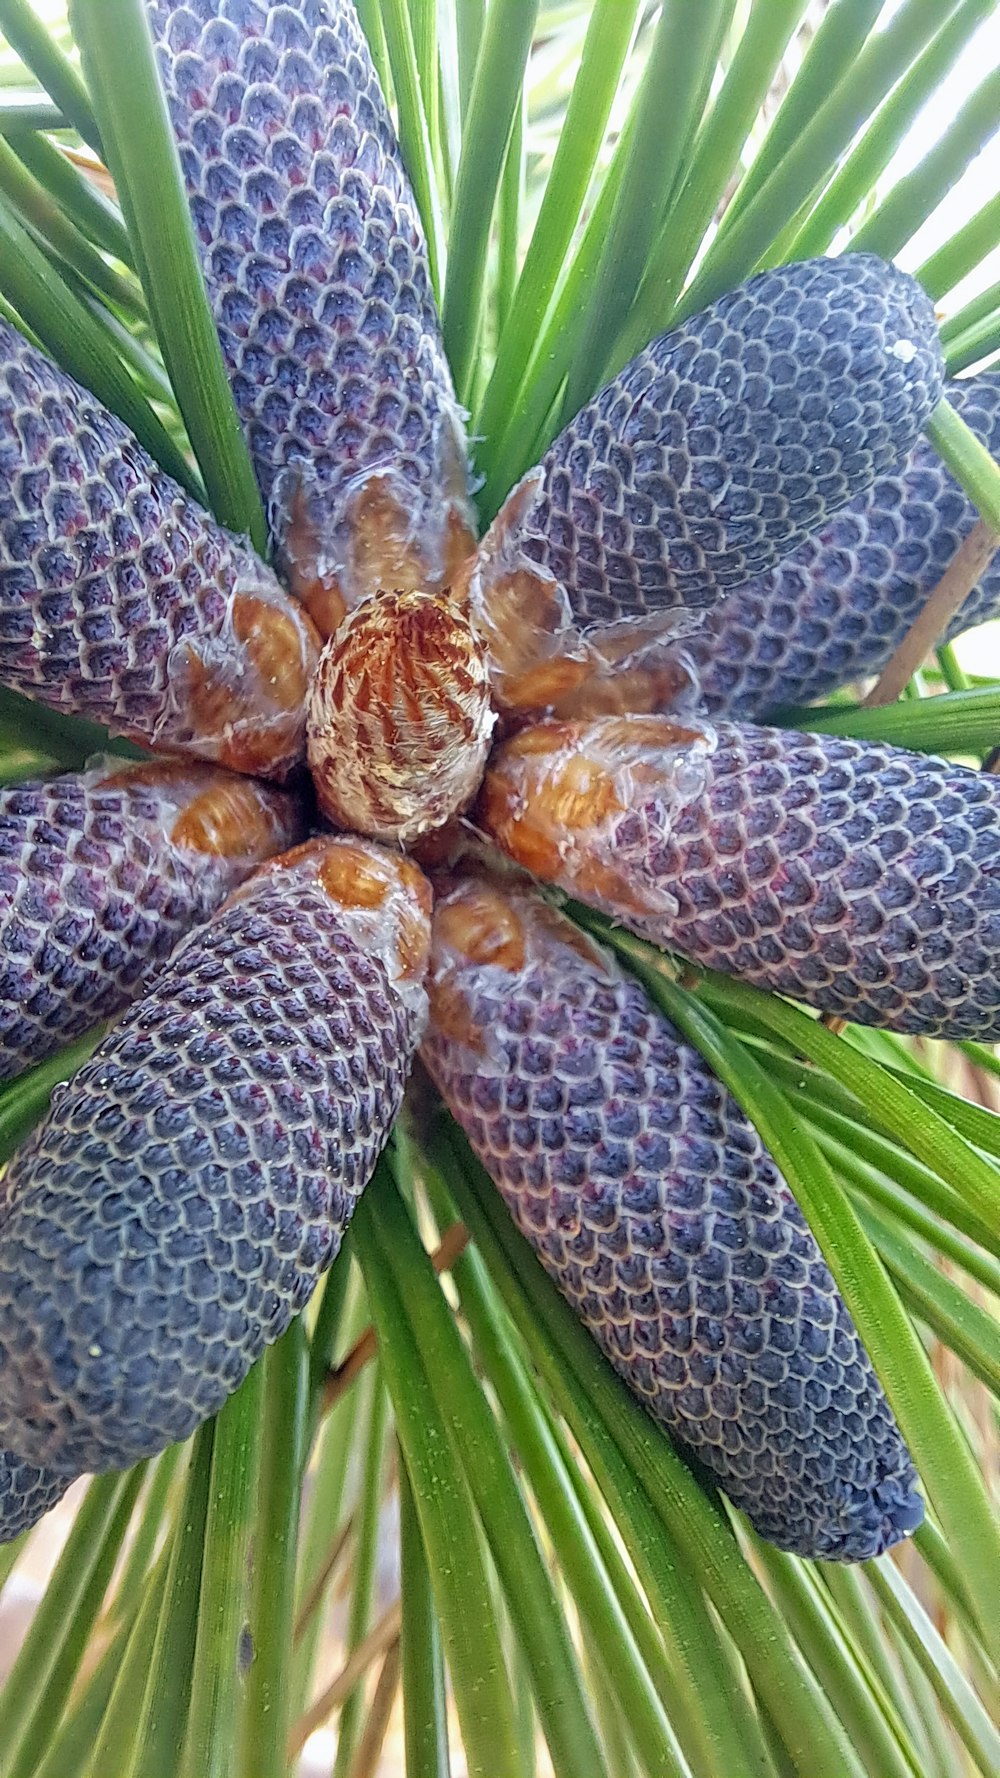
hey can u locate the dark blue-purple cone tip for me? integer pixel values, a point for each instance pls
(836, 608)
(27, 1493)
(734, 436)
(861, 1522)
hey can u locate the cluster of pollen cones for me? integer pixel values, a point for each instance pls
(745, 516)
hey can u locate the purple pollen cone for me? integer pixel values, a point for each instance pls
(316, 270)
(859, 878)
(101, 872)
(836, 609)
(122, 601)
(195, 1178)
(655, 1207)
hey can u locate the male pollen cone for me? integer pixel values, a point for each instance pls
(838, 607)
(122, 601)
(315, 266)
(102, 871)
(859, 878)
(711, 455)
(655, 1207)
(193, 1181)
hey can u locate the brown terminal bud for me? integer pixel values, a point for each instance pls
(399, 720)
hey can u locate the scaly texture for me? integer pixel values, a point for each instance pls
(193, 1180)
(399, 719)
(100, 874)
(316, 269)
(26, 1494)
(837, 608)
(706, 461)
(121, 601)
(859, 878)
(730, 438)
(653, 1204)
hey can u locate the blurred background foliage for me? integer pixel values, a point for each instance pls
(432, 1533)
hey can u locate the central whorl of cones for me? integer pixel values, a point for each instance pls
(399, 721)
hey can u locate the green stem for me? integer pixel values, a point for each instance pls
(114, 1740)
(858, 177)
(865, 1709)
(976, 343)
(451, 1534)
(960, 255)
(959, 722)
(414, 132)
(40, 1680)
(47, 218)
(67, 739)
(506, 458)
(469, 17)
(823, 137)
(509, 215)
(956, 1696)
(28, 109)
(952, 671)
(609, 35)
(980, 307)
(918, 193)
(579, 1559)
(862, 1174)
(94, 214)
(682, 53)
(844, 1581)
(146, 1534)
(715, 154)
(321, 1533)
(828, 60)
(162, 1710)
(475, 1444)
(424, 18)
(326, 1329)
(961, 1325)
